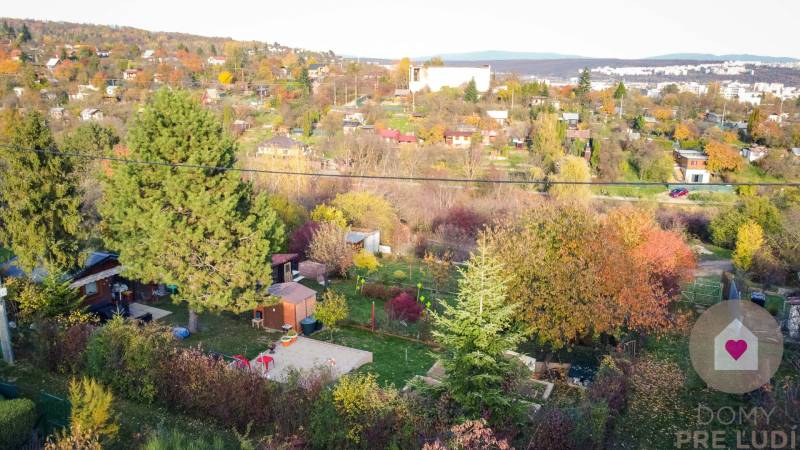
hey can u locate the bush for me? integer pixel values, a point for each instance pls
(59, 349)
(382, 292)
(366, 261)
(175, 440)
(127, 357)
(358, 413)
(200, 385)
(553, 430)
(404, 307)
(611, 384)
(465, 219)
(399, 275)
(17, 418)
(301, 238)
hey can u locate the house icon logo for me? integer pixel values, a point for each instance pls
(736, 348)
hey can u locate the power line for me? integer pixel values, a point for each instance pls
(379, 177)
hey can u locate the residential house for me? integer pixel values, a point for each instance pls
(571, 119)
(501, 116)
(281, 146)
(574, 133)
(57, 113)
(216, 60)
(349, 126)
(456, 138)
(130, 74)
(317, 71)
(435, 78)
(396, 137)
(753, 154)
(211, 96)
(148, 54)
(101, 281)
(692, 164)
(89, 114)
(240, 126)
(488, 137)
(539, 100)
(52, 63)
(101, 53)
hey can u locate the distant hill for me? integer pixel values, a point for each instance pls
(497, 55)
(730, 57)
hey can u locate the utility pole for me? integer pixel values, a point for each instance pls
(5, 333)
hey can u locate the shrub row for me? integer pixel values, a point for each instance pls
(382, 292)
(17, 418)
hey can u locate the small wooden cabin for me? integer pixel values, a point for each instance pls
(297, 303)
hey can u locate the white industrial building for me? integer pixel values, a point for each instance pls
(435, 78)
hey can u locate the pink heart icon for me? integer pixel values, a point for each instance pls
(736, 348)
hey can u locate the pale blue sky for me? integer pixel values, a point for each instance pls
(598, 28)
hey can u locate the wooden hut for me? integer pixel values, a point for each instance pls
(297, 303)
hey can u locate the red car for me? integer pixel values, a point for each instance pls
(678, 192)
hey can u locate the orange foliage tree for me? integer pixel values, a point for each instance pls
(576, 275)
(723, 157)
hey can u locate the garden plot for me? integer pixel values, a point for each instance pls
(308, 354)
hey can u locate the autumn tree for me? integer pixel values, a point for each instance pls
(367, 210)
(608, 274)
(329, 246)
(475, 333)
(723, 157)
(40, 198)
(200, 229)
(401, 72)
(547, 138)
(572, 169)
(749, 240)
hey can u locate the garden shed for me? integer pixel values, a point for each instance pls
(296, 303)
(284, 267)
(369, 240)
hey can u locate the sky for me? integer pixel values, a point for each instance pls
(392, 29)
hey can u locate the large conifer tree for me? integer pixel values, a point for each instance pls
(39, 199)
(476, 332)
(203, 230)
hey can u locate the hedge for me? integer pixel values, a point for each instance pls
(17, 419)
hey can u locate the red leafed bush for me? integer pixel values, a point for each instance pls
(301, 238)
(462, 218)
(197, 384)
(404, 307)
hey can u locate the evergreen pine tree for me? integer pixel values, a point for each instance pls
(40, 199)
(475, 333)
(202, 230)
(621, 91)
(471, 92)
(584, 84)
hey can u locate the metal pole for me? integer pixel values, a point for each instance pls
(5, 333)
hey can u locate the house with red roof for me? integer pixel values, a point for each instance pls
(396, 137)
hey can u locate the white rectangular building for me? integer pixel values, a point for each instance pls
(435, 78)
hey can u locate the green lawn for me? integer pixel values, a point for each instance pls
(717, 253)
(136, 420)
(226, 333)
(394, 360)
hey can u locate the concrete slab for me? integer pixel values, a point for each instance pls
(306, 354)
(139, 309)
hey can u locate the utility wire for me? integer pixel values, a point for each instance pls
(379, 177)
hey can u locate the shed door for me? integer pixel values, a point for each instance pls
(287, 272)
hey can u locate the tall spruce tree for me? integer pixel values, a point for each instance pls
(620, 91)
(476, 332)
(40, 199)
(202, 230)
(584, 84)
(471, 92)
